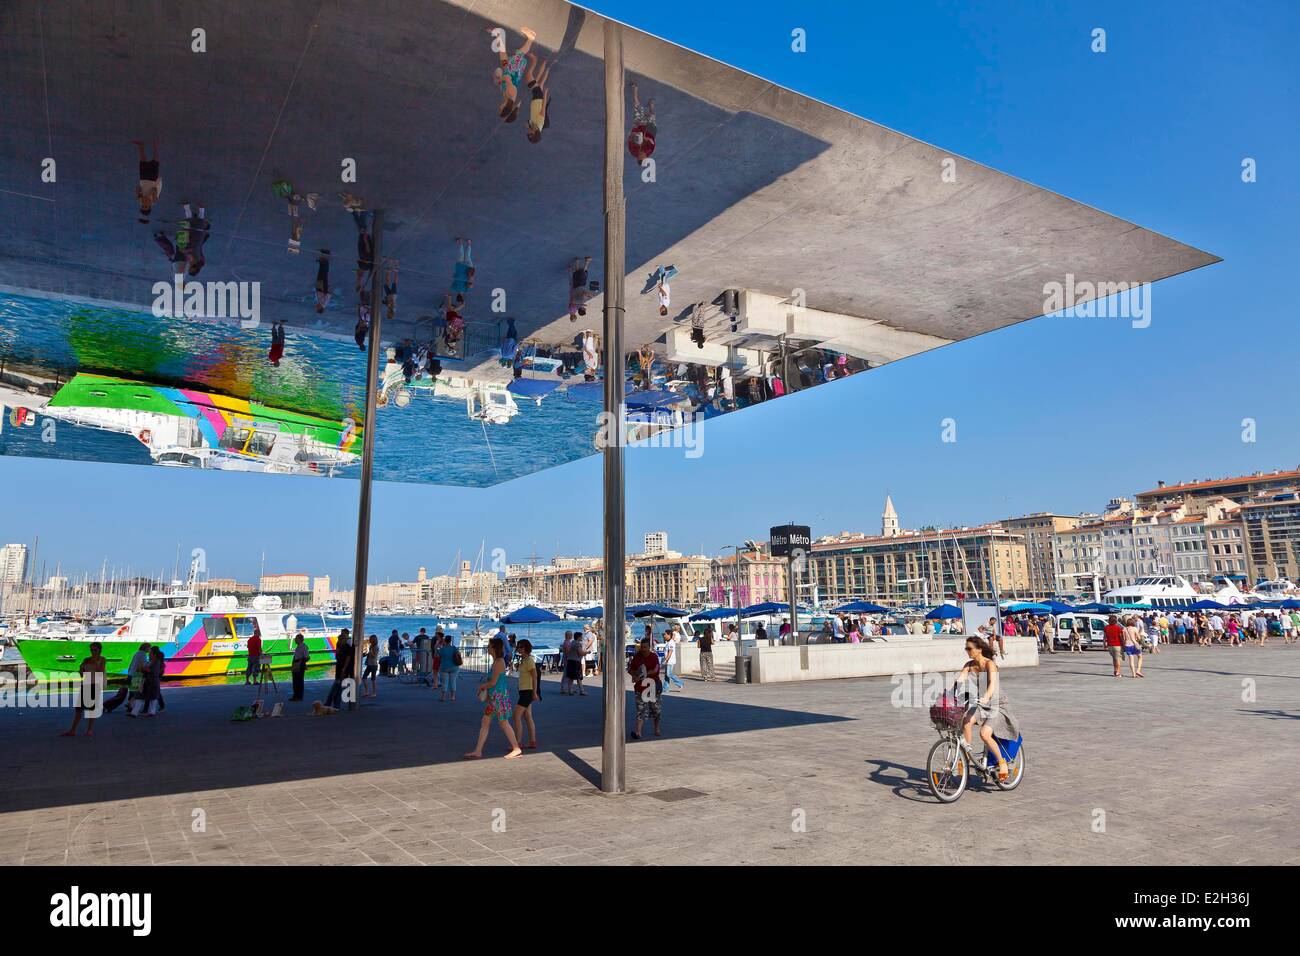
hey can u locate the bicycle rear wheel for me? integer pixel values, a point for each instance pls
(1017, 771)
(946, 770)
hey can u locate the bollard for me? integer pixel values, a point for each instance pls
(742, 669)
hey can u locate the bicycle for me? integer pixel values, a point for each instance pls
(948, 766)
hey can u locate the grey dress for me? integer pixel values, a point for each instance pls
(997, 716)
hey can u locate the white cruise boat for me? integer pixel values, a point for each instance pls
(1158, 590)
(1173, 590)
(1278, 589)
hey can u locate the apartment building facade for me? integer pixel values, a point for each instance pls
(916, 566)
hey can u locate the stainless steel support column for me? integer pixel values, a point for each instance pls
(792, 591)
(613, 774)
(362, 564)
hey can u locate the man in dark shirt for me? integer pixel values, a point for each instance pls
(342, 668)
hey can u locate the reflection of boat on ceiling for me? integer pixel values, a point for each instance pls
(484, 401)
(491, 403)
(188, 428)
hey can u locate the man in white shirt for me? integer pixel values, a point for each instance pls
(670, 661)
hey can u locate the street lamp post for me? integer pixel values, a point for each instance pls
(740, 638)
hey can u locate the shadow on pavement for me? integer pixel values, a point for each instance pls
(194, 745)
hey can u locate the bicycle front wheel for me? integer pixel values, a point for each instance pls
(946, 770)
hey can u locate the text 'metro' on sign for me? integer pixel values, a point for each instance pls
(787, 538)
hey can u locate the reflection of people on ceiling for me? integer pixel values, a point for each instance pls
(453, 323)
(659, 282)
(641, 140)
(645, 362)
(363, 219)
(390, 288)
(277, 343)
(323, 295)
(363, 319)
(406, 358)
(727, 383)
(191, 233)
(174, 255)
(462, 277)
(509, 344)
(590, 355)
(539, 105)
(294, 200)
(578, 291)
(510, 74)
(149, 188)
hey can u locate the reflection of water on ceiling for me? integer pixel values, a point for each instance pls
(319, 376)
(70, 364)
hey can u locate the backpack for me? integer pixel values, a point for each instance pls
(456, 659)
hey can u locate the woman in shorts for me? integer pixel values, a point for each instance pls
(494, 691)
(530, 690)
(1133, 647)
(370, 676)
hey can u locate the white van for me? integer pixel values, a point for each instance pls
(1093, 626)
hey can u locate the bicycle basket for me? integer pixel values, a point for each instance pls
(947, 713)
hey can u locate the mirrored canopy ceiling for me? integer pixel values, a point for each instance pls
(773, 243)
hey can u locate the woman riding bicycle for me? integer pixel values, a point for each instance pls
(989, 712)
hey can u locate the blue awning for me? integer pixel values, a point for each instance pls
(944, 612)
(767, 607)
(652, 398)
(862, 607)
(1058, 607)
(655, 610)
(533, 387)
(530, 614)
(713, 614)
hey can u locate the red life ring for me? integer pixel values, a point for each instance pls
(145, 436)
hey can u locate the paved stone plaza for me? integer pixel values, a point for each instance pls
(1183, 769)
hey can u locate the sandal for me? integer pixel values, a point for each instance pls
(1004, 772)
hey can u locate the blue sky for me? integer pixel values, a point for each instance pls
(1057, 414)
